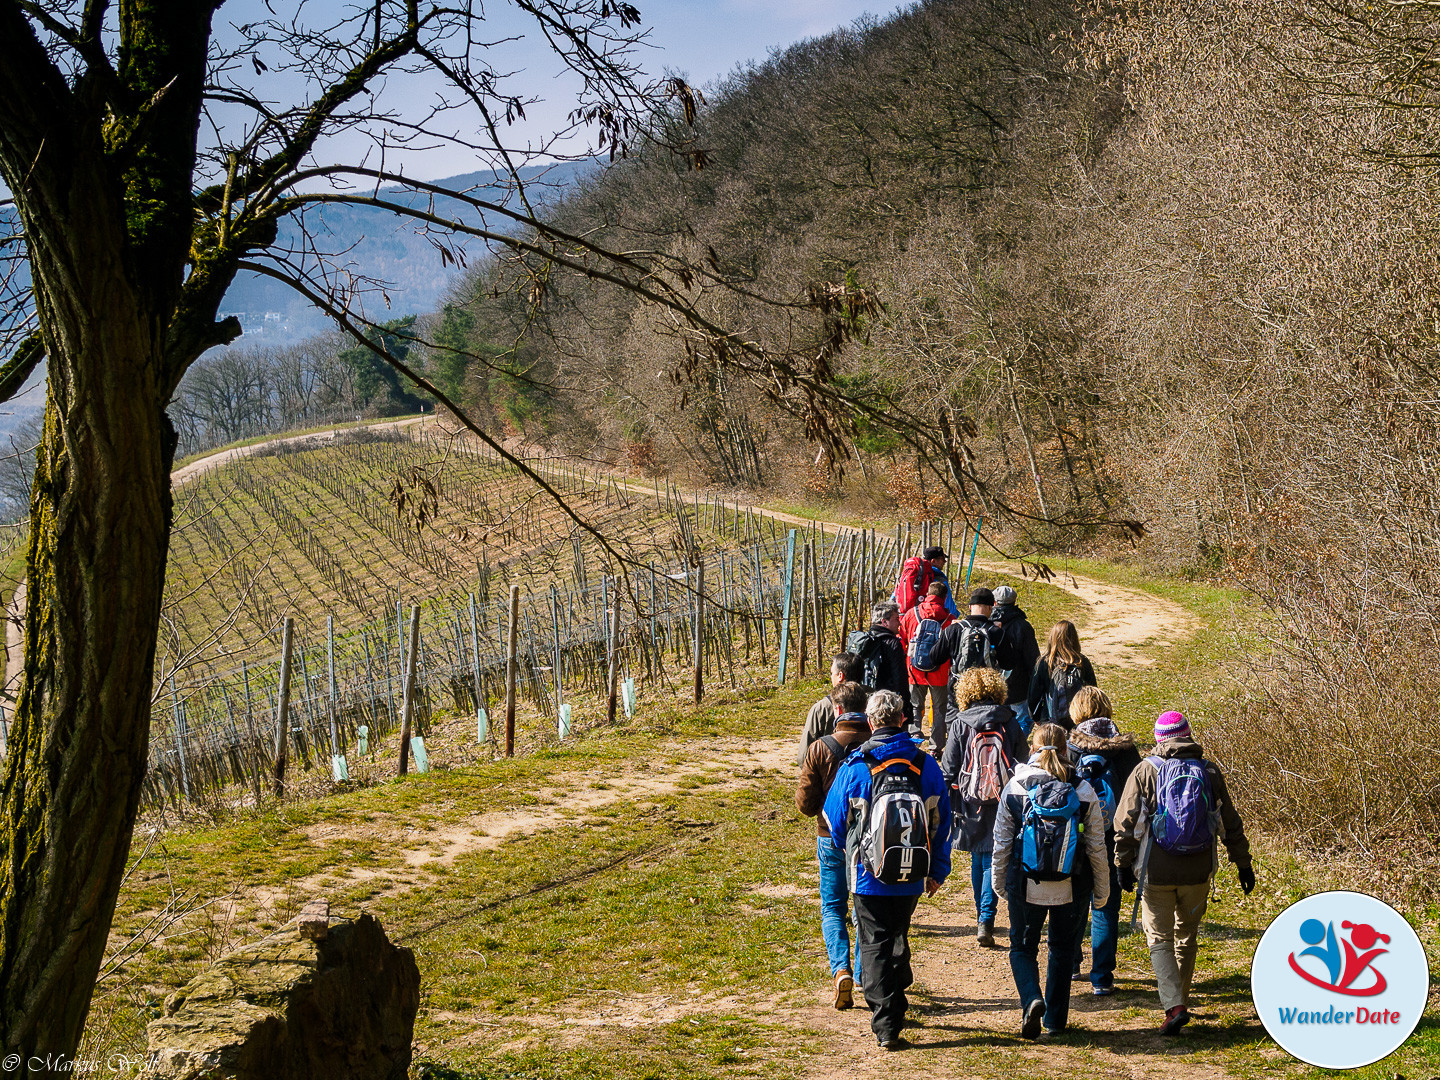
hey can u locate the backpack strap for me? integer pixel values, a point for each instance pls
(833, 743)
(913, 761)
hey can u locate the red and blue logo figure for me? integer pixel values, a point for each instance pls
(1358, 957)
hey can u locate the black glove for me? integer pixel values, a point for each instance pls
(1247, 879)
(1127, 878)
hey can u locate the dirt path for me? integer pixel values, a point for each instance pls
(189, 472)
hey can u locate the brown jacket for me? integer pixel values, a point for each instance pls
(1164, 868)
(817, 771)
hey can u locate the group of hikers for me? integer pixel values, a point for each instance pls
(1024, 768)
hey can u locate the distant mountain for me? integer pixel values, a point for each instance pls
(375, 243)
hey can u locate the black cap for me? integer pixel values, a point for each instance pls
(982, 597)
(935, 552)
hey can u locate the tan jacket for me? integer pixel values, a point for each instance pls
(819, 722)
(1137, 805)
(817, 771)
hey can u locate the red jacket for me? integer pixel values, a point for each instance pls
(928, 608)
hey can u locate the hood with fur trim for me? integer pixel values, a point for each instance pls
(1088, 743)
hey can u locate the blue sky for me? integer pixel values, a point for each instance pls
(701, 39)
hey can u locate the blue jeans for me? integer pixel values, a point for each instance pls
(1104, 933)
(834, 907)
(1026, 923)
(985, 900)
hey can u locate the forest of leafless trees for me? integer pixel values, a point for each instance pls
(1158, 279)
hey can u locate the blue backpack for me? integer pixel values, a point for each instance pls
(924, 646)
(1050, 833)
(1186, 819)
(1094, 768)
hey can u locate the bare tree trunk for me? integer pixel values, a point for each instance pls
(1029, 447)
(94, 576)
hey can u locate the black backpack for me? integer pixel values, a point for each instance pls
(869, 650)
(976, 648)
(894, 838)
(1065, 680)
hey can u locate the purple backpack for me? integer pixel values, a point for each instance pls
(1185, 817)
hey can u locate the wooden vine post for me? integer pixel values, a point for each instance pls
(804, 625)
(614, 687)
(282, 708)
(785, 616)
(699, 631)
(407, 703)
(512, 640)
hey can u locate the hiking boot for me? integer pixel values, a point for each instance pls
(891, 1042)
(985, 935)
(1175, 1019)
(1104, 990)
(844, 990)
(1034, 1014)
(1077, 976)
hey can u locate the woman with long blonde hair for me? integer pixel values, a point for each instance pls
(1061, 670)
(1043, 858)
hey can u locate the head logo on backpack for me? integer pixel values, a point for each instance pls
(924, 652)
(866, 647)
(1185, 818)
(1094, 768)
(988, 764)
(1050, 833)
(1065, 680)
(895, 838)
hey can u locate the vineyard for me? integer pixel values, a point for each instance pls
(373, 541)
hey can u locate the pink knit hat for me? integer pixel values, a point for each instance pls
(1171, 725)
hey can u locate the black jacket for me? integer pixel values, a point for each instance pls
(1017, 650)
(1040, 691)
(894, 673)
(951, 648)
(976, 822)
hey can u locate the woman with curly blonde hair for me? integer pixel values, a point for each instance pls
(984, 738)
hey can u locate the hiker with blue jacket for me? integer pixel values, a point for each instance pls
(985, 746)
(823, 759)
(1105, 756)
(1043, 857)
(1173, 815)
(889, 811)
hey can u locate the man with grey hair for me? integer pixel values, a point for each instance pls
(880, 658)
(1016, 650)
(880, 794)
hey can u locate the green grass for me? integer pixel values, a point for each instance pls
(689, 911)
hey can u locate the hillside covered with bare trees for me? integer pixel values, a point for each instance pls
(1152, 279)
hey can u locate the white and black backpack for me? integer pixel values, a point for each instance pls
(894, 838)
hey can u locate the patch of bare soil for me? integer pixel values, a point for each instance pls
(569, 798)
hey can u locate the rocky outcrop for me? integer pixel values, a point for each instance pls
(314, 1001)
